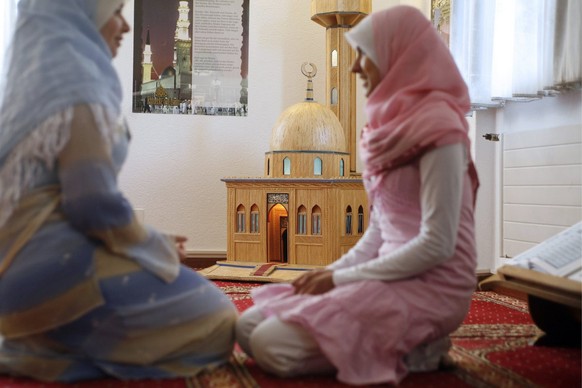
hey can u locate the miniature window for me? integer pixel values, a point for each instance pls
(317, 166)
(240, 219)
(334, 96)
(254, 219)
(334, 58)
(360, 220)
(316, 220)
(302, 220)
(286, 166)
(349, 221)
(268, 167)
(342, 167)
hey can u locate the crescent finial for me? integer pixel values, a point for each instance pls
(311, 73)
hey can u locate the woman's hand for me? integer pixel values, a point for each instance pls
(180, 240)
(316, 282)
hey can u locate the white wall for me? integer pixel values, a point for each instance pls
(175, 163)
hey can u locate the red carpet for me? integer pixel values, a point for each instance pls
(491, 349)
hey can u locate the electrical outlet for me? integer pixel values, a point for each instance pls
(139, 214)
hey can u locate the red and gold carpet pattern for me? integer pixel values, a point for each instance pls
(493, 348)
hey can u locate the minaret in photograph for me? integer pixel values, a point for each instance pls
(183, 41)
(147, 63)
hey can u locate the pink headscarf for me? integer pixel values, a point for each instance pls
(421, 101)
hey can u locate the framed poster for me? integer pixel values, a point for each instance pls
(191, 57)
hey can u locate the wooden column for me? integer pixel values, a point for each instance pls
(338, 16)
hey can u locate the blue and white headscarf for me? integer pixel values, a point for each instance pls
(57, 59)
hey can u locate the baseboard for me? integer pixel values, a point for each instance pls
(203, 259)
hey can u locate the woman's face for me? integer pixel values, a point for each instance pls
(368, 71)
(113, 30)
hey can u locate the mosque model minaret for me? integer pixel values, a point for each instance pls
(338, 17)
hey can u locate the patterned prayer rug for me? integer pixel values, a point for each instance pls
(493, 348)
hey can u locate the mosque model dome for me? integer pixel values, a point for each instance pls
(308, 126)
(307, 141)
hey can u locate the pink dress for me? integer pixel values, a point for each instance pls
(365, 328)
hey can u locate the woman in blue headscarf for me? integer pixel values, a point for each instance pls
(86, 291)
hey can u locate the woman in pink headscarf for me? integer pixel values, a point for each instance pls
(388, 306)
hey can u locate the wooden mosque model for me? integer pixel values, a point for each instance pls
(310, 207)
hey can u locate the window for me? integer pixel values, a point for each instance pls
(348, 221)
(240, 219)
(334, 58)
(7, 21)
(302, 220)
(316, 220)
(269, 167)
(334, 96)
(360, 220)
(342, 167)
(317, 166)
(254, 219)
(286, 166)
(516, 50)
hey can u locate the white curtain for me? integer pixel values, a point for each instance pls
(517, 49)
(7, 20)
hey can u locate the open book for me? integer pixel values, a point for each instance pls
(560, 255)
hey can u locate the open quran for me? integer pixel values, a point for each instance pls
(551, 270)
(560, 255)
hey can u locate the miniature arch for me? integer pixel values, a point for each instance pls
(334, 96)
(348, 220)
(286, 166)
(316, 220)
(334, 58)
(301, 220)
(360, 219)
(255, 226)
(240, 219)
(317, 166)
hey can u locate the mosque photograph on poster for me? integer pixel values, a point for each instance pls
(191, 57)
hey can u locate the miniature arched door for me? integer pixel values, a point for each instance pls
(277, 234)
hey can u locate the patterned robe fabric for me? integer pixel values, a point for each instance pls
(87, 291)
